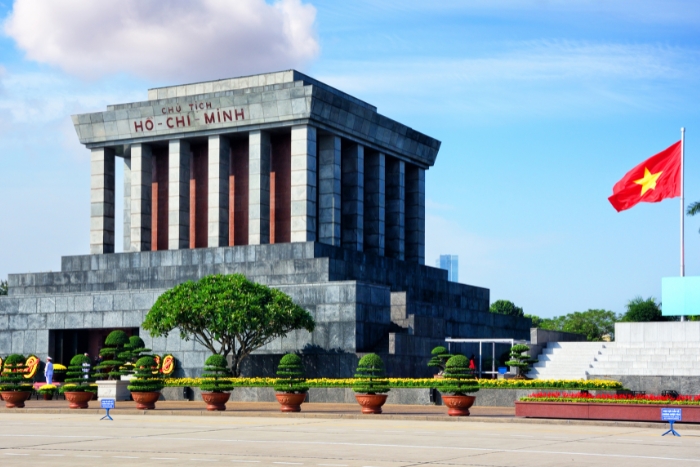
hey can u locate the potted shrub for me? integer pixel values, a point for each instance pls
(133, 350)
(110, 371)
(216, 387)
(79, 379)
(370, 386)
(146, 385)
(47, 391)
(290, 386)
(458, 383)
(14, 387)
(520, 360)
(439, 357)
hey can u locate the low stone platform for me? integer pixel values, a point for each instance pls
(401, 396)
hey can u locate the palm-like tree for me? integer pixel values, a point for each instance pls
(693, 209)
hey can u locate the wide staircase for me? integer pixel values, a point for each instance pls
(588, 360)
(567, 360)
(649, 359)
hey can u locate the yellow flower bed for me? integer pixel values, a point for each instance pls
(59, 367)
(418, 383)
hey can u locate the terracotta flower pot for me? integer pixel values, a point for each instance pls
(216, 400)
(371, 403)
(15, 399)
(289, 401)
(458, 405)
(78, 399)
(145, 400)
(47, 396)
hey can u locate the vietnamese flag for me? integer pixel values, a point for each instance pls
(655, 179)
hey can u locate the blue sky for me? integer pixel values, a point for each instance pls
(541, 106)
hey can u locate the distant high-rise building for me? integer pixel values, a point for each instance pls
(450, 263)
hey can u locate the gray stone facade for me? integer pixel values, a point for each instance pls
(279, 177)
(361, 302)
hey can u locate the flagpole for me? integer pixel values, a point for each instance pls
(682, 210)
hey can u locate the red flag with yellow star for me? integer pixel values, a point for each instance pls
(655, 179)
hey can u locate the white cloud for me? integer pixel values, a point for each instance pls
(533, 78)
(177, 40)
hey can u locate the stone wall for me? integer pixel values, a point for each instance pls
(361, 303)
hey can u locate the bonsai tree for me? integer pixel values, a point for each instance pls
(114, 355)
(216, 376)
(290, 375)
(459, 379)
(145, 380)
(227, 314)
(520, 360)
(12, 377)
(135, 348)
(440, 355)
(77, 379)
(370, 375)
(147, 383)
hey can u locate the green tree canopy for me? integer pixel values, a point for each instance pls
(506, 307)
(594, 324)
(3, 287)
(227, 314)
(640, 310)
(536, 320)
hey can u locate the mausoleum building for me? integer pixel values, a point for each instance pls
(276, 176)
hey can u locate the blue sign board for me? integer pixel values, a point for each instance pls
(107, 403)
(671, 414)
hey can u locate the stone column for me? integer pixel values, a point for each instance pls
(395, 208)
(141, 179)
(259, 154)
(127, 200)
(101, 201)
(353, 181)
(178, 194)
(375, 203)
(219, 156)
(329, 190)
(303, 196)
(415, 214)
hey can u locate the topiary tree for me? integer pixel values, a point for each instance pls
(370, 375)
(216, 374)
(12, 377)
(77, 379)
(440, 355)
(459, 378)
(115, 355)
(520, 360)
(144, 378)
(290, 375)
(227, 314)
(136, 348)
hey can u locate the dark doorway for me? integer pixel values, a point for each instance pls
(64, 344)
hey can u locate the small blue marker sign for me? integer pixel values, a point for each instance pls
(671, 416)
(107, 404)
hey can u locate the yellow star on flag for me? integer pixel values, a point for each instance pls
(649, 180)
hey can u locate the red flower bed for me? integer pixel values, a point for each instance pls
(611, 398)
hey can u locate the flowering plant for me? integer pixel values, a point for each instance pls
(611, 398)
(47, 389)
(428, 383)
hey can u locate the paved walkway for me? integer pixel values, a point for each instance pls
(80, 439)
(261, 409)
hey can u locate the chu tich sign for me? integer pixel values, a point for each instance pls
(191, 116)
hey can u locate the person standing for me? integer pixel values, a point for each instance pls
(472, 363)
(48, 371)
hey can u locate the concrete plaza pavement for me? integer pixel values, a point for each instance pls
(81, 439)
